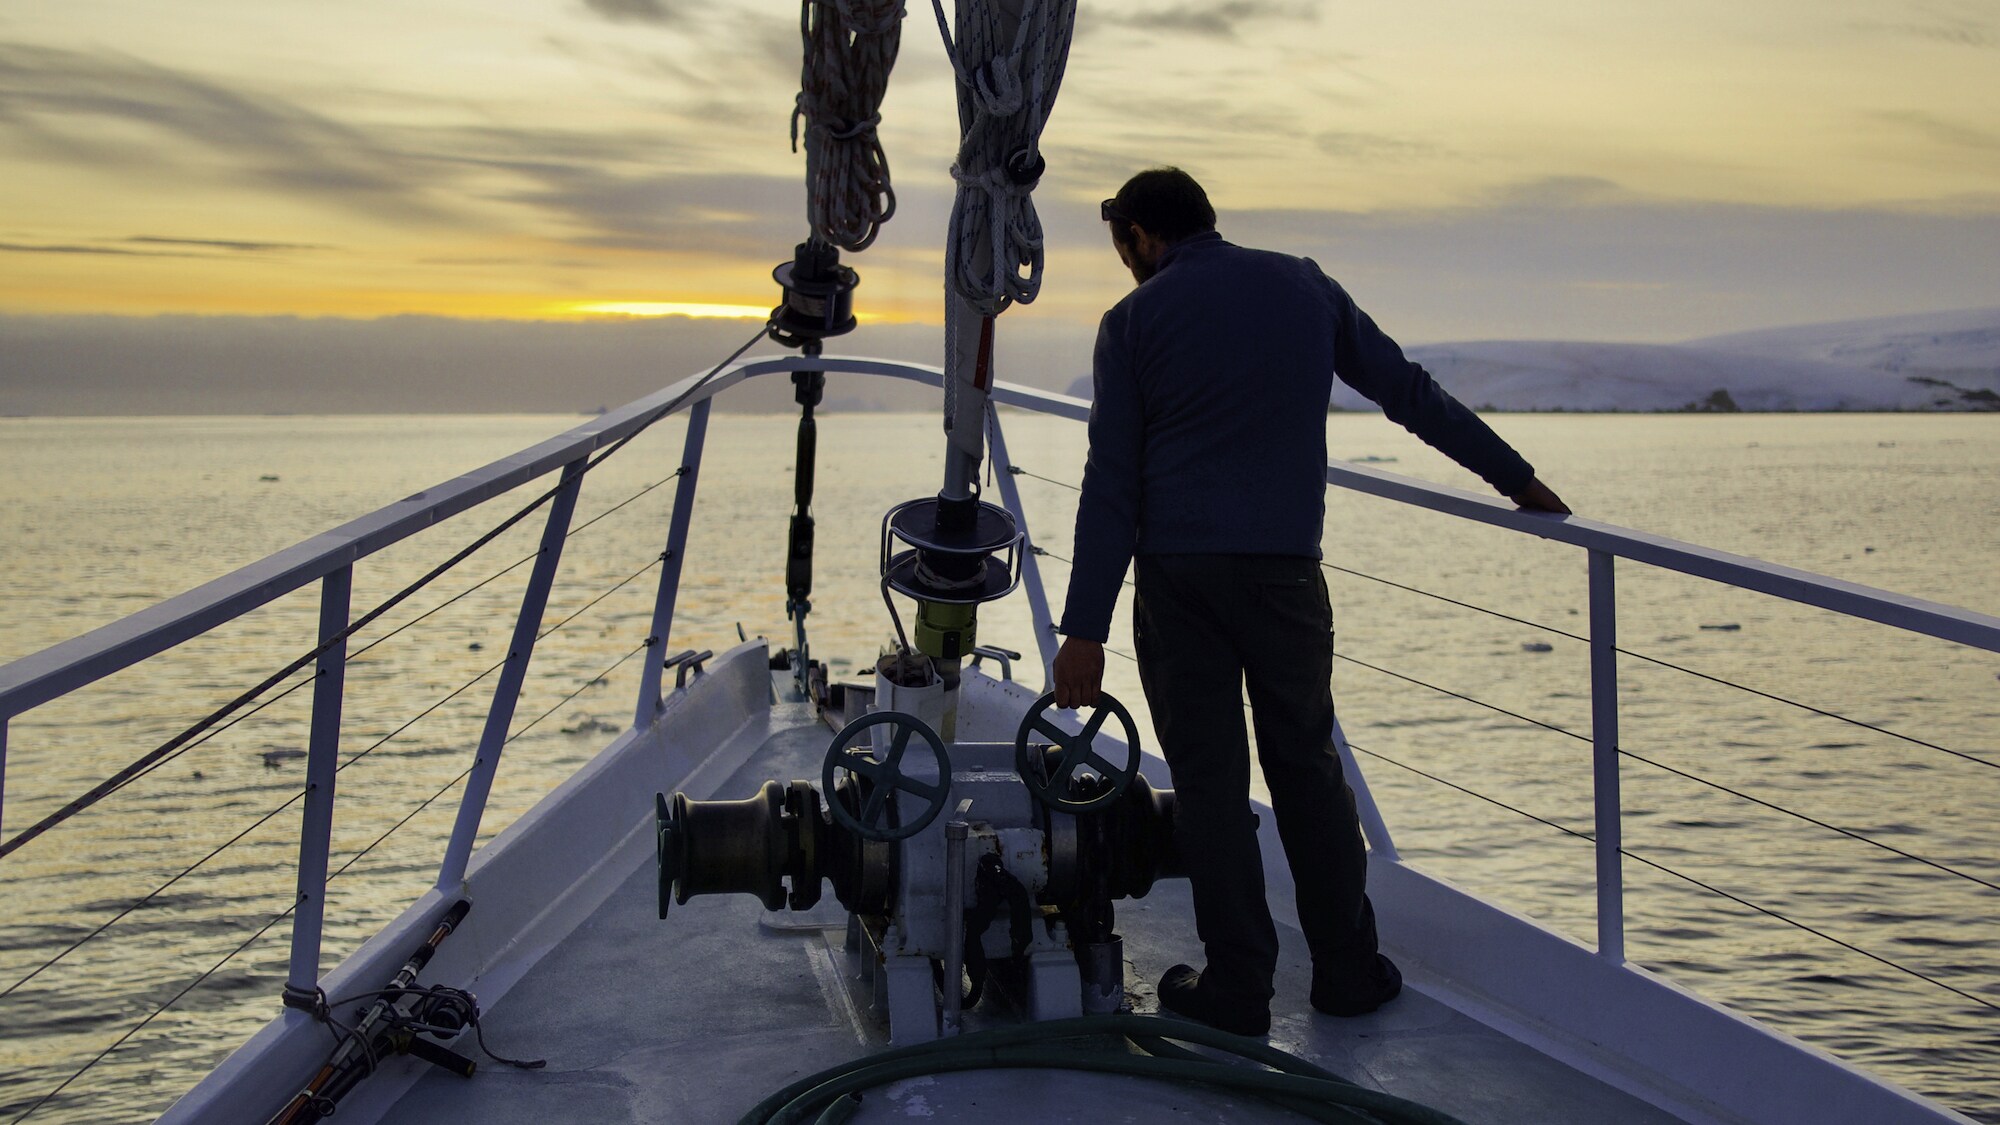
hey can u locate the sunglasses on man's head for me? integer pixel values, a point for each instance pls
(1109, 212)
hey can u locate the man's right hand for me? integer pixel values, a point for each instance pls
(1079, 672)
(1537, 497)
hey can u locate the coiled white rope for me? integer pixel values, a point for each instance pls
(850, 47)
(1004, 100)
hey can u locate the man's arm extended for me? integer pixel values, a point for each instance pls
(1366, 359)
(1107, 512)
(1107, 519)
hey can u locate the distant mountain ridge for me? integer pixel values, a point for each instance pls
(1932, 361)
(126, 365)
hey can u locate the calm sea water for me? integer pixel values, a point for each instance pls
(102, 517)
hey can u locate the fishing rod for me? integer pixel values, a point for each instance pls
(385, 1029)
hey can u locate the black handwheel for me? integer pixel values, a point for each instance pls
(1052, 777)
(886, 777)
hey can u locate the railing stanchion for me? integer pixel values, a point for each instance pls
(1604, 756)
(1031, 571)
(322, 763)
(670, 565)
(1373, 828)
(4, 720)
(500, 716)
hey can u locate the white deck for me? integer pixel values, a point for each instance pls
(700, 1017)
(697, 1018)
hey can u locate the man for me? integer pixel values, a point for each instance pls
(1207, 473)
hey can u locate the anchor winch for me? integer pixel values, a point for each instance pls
(994, 860)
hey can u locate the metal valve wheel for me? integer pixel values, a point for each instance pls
(886, 777)
(1052, 777)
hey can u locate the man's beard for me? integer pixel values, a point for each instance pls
(1128, 253)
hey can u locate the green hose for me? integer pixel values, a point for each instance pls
(832, 1096)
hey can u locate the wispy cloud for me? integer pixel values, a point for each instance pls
(1374, 146)
(55, 99)
(61, 248)
(229, 244)
(633, 11)
(1207, 21)
(606, 187)
(1943, 131)
(1965, 27)
(154, 246)
(1610, 264)
(689, 213)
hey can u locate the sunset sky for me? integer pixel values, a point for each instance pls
(1615, 170)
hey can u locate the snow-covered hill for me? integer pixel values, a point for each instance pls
(1937, 361)
(1961, 347)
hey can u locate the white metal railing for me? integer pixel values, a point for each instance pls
(329, 559)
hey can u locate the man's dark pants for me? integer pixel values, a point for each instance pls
(1205, 626)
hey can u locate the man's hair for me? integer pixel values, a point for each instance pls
(1166, 202)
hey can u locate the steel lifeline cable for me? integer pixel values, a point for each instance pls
(140, 902)
(1944, 868)
(145, 762)
(337, 873)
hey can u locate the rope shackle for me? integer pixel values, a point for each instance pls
(1025, 168)
(819, 296)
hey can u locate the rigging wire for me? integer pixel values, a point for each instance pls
(1740, 901)
(370, 749)
(850, 47)
(1584, 738)
(1663, 663)
(1678, 875)
(1716, 785)
(125, 776)
(1671, 665)
(1638, 757)
(153, 1015)
(287, 911)
(355, 658)
(427, 802)
(1021, 472)
(579, 529)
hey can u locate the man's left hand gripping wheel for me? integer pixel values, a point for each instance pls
(1050, 773)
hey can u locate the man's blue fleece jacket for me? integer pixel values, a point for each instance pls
(1208, 427)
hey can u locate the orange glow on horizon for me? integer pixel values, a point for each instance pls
(665, 308)
(149, 300)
